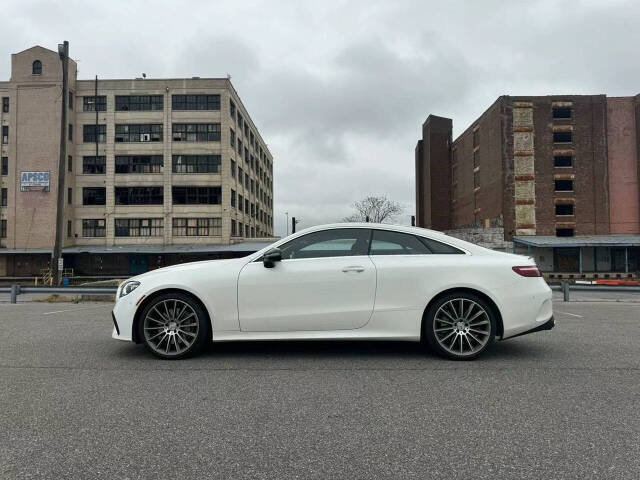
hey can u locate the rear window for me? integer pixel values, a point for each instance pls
(439, 247)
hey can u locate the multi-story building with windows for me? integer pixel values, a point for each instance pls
(158, 171)
(557, 175)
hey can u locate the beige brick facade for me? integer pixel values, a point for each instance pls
(33, 122)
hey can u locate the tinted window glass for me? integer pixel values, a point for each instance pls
(396, 243)
(342, 242)
(438, 247)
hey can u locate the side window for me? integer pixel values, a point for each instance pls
(342, 242)
(395, 243)
(440, 248)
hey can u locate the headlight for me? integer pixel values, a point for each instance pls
(128, 287)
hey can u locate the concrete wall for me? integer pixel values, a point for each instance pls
(623, 165)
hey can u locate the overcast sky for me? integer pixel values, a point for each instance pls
(339, 89)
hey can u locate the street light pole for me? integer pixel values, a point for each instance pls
(287, 214)
(63, 52)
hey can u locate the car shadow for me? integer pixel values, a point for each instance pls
(519, 349)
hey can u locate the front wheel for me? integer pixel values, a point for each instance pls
(174, 326)
(459, 326)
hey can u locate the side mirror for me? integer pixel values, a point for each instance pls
(270, 258)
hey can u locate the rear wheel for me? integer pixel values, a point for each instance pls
(459, 326)
(174, 326)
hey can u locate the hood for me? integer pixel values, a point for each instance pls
(185, 267)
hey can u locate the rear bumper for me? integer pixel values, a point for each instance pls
(548, 325)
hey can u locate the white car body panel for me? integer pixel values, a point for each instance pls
(307, 294)
(314, 299)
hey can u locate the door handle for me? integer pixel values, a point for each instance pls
(356, 269)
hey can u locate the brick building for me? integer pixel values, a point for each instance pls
(158, 171)
(545, 168)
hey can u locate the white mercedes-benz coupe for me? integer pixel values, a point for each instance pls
(355, 281)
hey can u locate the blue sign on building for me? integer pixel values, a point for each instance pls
(34, 181)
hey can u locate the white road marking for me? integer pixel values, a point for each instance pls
(572, 314)
(73, 310)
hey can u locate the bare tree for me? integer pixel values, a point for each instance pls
(378, 209)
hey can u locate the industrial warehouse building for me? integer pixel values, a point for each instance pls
(159, 171)
(555, 175)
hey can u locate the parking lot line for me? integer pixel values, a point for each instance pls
(73, 310)
(572, 314)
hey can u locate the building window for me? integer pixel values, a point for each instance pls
(70, 132)
(234, 232)
(240, 148)
(197, 227)
(94, 165)
(91, 104)
(94, 196)
(94, 133)
(3, 198)
(233, 198)
(240, 203)
(5, 166)
(5, 134)
(135, 133)
(36, 67)
(70, 100)
(246, 231)
(562, 137)
(196, 163)
(69, 195)
(197, 195)
(70, 163)
(233, 169)
(139, 227)
(246, 206)
(246, 180)
(69, 228)
(232, 138)
(564, 209)
(195, 102)
(3, 229)
(139, 163)
(139, 103)
(564, 185)
(93, 227)
(232, 109)
(560, 113)
(196, 132)
(562, 161)
(5, 104)
(564, 232)
(139, 195)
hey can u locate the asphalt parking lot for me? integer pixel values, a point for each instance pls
(555, 405)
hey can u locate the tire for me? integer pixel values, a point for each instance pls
(455, 335)
(174, 326)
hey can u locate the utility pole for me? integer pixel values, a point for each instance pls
(63, 52)
(294, 222)
(287, 214)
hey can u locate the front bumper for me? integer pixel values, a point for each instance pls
(548, 325)
(123, 314)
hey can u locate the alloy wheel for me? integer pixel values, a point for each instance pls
(171, 327)
(462, 327)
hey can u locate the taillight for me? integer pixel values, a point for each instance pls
(527, 271)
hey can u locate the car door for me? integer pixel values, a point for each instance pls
(325, 281)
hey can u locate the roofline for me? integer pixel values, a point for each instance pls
(563, 244)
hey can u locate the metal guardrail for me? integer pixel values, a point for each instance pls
(566, 288)
(15, 290)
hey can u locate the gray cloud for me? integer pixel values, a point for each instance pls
(340, 89)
